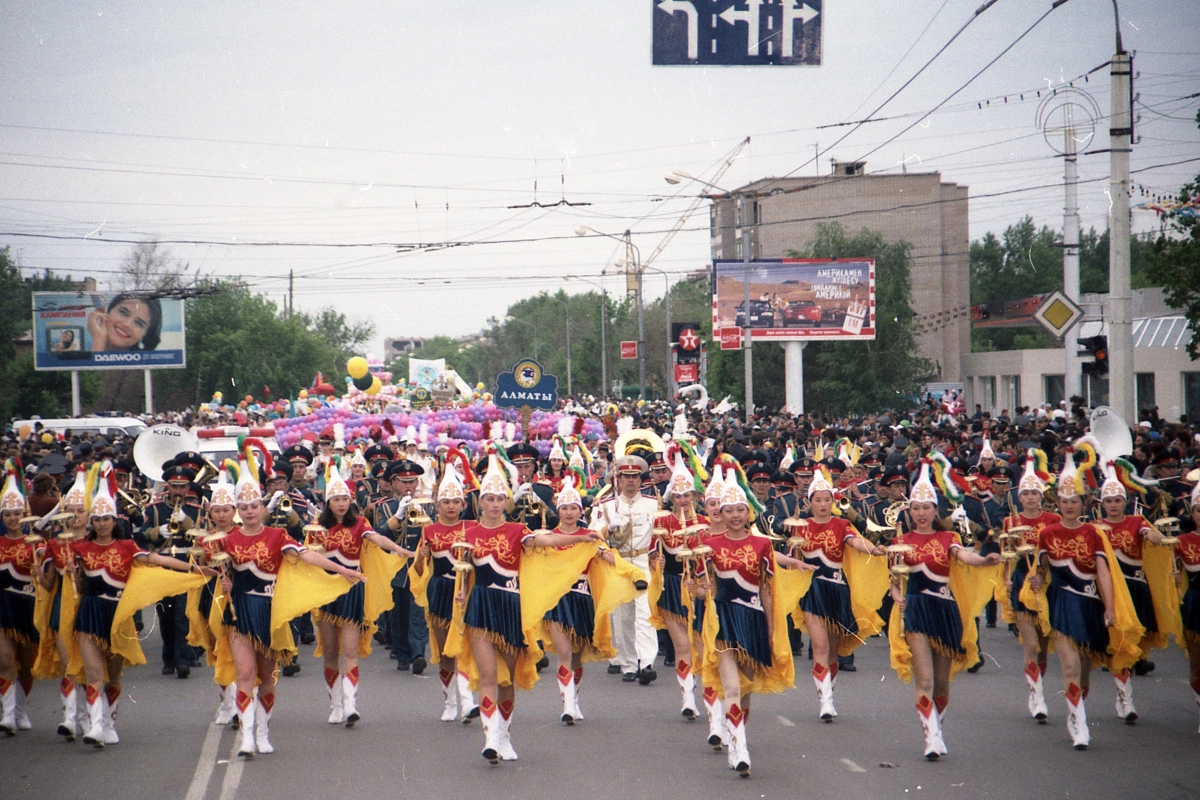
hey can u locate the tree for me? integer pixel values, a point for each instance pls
(344, 336)
(847, 377)
(151, 268)
(1175, 260)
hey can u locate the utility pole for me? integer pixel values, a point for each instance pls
(1120, 301)
(747, 351)
(604, 389)
(291, 288)
(630, 252)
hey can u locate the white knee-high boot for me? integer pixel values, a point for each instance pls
(112, 698)
(246, 705)
(66, 690)
(449, 695)
(1037, 696)
(566, 690)
(1125, 709)
(687, 688)
(95, 705)
(823, 678)
(1077, 723)
(350, 696)
(333, 683)
(716, 718)
(228, 709)
(262, 722)
(470, 709)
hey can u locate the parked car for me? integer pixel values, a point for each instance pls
(761, 315)
(801, 313)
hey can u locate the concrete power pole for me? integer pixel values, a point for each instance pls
(1120, 300)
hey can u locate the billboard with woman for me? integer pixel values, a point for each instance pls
(107, 331)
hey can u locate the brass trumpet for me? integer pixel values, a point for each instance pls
(462, 567)
(314, 538)
(174, 524)
(899, 569)
(417, 516)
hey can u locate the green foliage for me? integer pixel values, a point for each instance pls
(27, 392)
(1175, 263)
(845, 377)
(241, 343)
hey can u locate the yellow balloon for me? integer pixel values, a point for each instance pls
(357, 367)
(375, 386)
(479, 386)
(304, 394)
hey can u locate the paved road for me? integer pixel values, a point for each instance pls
(632, 745)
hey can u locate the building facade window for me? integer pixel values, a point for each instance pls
(987, 387)
(1191, 395)
(1053, 389)
(1146, 400)
(1012, 392)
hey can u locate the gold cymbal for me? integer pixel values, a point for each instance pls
(900, 549)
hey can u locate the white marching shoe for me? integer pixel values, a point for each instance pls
(333, 684)
(470, 709)
(262, 722)
(22, 711)
(1077, 724)
(490, 715)
(823, 678)
(228, 709)
(506, 749)
(112, 698)
(247, 705)
(95, 706)
(70, 706)
(1125, 709)
(1037, 695)
(566, 690)
(739, 752)
(716, 719)
(578, 677)
(8, 707)
(449, 696)
(687, 688)
(931, 726)
(350, 696)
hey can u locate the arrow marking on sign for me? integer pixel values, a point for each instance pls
(693, 23)
(750, 17)
(805, 13)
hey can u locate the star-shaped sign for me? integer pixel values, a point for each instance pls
(688, 340)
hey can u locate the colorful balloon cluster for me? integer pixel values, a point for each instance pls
(472, 424)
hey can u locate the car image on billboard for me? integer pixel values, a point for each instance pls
(796, 299)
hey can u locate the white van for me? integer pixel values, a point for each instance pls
(219, 443)
(95, 426)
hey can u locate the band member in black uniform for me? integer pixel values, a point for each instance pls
(786, 504)
(659, 477)
(285, 508)
(401, 518)
(164, 532)
(758, 475)
(131, 518)
(301, 458)
(533, 503)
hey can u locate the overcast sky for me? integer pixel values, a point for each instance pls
(423, 122)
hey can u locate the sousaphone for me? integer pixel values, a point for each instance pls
(158, 444)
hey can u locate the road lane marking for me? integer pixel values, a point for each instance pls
(850, 765)
(204, 767)
(233, 772)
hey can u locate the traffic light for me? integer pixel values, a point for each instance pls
(1096, 348)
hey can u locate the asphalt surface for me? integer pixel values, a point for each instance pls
(633, 743)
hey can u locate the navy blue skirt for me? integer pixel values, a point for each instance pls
(95, 617)
(253, 618)
(576, 612)
(497, 613)
(441, 599)
(348, 608)
(671, 599)
(744, 628)
(831, 602)
(56, 611)
(206, 597)
(1019, 574)
(1139, 593)
(16, 616)
(1189, 609)
(938, 618)
(1080, 619)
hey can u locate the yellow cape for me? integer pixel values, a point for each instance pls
(611, 585)
(1158, 562)
(224, 671)
(379, 567)
(653, 593)
(49, 662)
(299, 589)
(972, 588)
(145, 587)
(787, 587)
(868, 579)
(1125, 636)
(199, 632)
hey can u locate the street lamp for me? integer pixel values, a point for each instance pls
(568, 307)
(603, 329)
(678, 176)
(511, 318)
(628, 241)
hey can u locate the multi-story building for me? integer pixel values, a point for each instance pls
(917, 207)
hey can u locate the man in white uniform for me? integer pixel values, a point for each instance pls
(627, 519)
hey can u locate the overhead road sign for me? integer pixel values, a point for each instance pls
(740, 33)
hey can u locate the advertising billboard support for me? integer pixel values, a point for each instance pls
(793, 359)
(149, 393)
(76, 406)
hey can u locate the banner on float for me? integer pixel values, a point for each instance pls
(424, 371)
(116, 330)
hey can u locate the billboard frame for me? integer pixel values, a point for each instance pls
(816, 333)
(84, 361)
